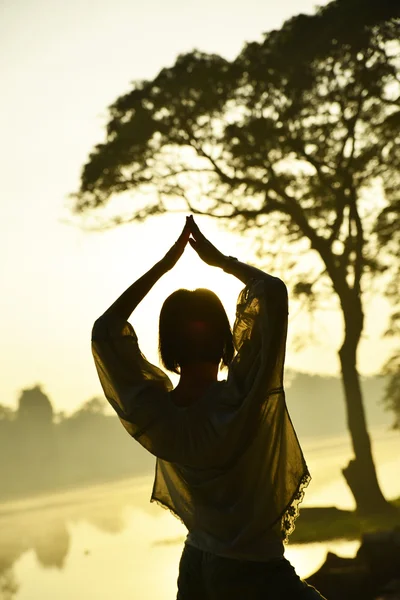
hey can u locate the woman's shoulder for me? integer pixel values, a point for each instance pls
(185, 397)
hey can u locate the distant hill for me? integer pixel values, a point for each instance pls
(39, 452)
(317, 407)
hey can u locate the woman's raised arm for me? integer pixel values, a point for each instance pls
(123, 307)
(212, 256)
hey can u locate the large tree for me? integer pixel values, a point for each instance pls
(295, 139)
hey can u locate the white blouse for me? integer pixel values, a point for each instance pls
(229, 466)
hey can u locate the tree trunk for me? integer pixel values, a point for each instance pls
(360, 474)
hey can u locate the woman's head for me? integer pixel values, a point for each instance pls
(193, 328)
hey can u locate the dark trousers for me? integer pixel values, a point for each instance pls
(205, 576)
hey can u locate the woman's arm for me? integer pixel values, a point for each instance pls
(245, 272)
(212, 256)
(129, 300)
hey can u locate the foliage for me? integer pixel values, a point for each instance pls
(43, 453)
(391, 398)
(389, 233)
(34, 406)
(94, 406)
(284, 139)
(6, 413)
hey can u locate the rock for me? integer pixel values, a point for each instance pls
(371, 575)
(391, 591)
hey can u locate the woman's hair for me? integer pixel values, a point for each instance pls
(194, 327)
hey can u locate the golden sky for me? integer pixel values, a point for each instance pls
(62, 63)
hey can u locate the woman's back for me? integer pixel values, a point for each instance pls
(233, 503)
(229, 464)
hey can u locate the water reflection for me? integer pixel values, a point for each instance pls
(109, 540)
(95, 533)
(8, 585)
(41, 525)
(106, 545)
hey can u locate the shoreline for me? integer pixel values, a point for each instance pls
(325, 523)
(315, 523)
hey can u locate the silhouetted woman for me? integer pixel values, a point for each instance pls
(229, 464)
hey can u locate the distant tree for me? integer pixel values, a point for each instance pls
(94, 406)
(391, 369)
(86, 438)
(296, 140)
(6, 413)
(7, 416)
(34, 407)
(388, 230)
(320, 396)
(35, 453)
(392, 392)
(92, 411)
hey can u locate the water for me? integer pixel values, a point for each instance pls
(108, 541)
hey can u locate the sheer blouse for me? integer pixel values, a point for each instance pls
(229, 466)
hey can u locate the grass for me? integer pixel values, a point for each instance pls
(329, 523)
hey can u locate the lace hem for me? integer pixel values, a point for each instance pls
(288, 518)
(166, 507)
(291, 513)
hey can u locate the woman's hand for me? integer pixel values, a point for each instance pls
(203, 247)
(176, 251)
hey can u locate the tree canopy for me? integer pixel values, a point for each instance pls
(298, 129)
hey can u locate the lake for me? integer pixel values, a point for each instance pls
(107, 541)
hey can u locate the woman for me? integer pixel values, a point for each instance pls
(229, 464)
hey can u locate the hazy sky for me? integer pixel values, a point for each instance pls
(62, 63)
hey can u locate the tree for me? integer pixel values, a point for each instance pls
(94, 406)
(35, 408)
(92, 413)
(6, 413)
(288, 141)
(36, 452)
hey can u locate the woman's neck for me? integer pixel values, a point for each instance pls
(195, 379)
